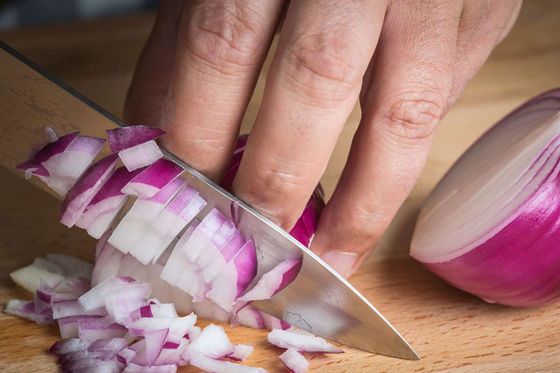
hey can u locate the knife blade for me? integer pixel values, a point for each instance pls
(319, 300)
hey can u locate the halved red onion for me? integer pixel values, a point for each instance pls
(300, 342)
(490, 225)
(85, 189)
(106, 204)
(294, 361)
(153, 178)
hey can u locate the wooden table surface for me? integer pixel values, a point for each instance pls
(451, 330)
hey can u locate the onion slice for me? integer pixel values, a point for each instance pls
(152, 179)
(85, 189)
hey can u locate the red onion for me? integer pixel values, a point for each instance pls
(85, 189)
(209, 269)
(294, 361)
(490, 227)
(127, 137)
(153, 178)
(62, 161)
(142, 213)
(300, 342)
(106, 203)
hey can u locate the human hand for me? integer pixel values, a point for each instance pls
(201, 63)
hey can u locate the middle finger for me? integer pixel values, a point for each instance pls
(220, 49)
(313, 84)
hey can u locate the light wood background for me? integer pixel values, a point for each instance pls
(451, 330)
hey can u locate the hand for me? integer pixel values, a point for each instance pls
(201, 62)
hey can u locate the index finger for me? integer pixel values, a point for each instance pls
(313, 84)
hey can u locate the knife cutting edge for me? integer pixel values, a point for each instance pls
(319, 300)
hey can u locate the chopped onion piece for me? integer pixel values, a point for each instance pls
(241, 352)
(31, 276)
(21, 308)
(212, 342)
(128, 137)
(161, 231)
(67, 167)
(95, 297)
(301, 342)
(213, 365)
(69, 345)
(152, 179)
(141, 155)
(272, 282)
(85, 189)
(106, 204)
(142, 213)
(294, 361)
(92, 329)
(135, 368)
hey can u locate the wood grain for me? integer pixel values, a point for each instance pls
(451, 330)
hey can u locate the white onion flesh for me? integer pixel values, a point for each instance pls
(294, 361)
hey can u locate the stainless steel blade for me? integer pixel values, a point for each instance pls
(319, 300)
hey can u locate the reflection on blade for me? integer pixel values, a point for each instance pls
(323, 303)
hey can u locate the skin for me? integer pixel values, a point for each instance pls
(406, 61)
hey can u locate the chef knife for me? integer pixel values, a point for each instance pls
(319, 300)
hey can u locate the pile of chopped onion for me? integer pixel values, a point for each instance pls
(491, 225)
(167, 255)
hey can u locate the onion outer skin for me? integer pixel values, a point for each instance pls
(519, 265)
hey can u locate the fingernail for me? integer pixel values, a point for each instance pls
(342, 261)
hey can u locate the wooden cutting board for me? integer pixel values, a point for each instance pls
(451, 330)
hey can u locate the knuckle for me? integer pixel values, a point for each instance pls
(224, 37)
(324, 66)
(412, 118)
(277, 182)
